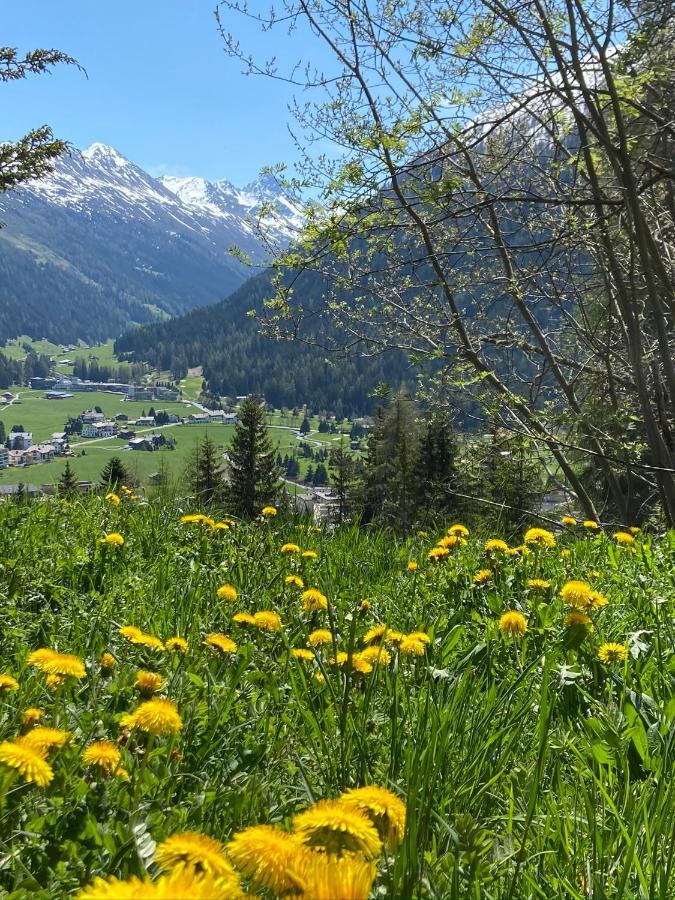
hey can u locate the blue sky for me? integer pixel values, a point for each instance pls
(159, 86)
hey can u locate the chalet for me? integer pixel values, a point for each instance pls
(99, 429)
(145, 421)
(19, 440)
(91, 415)
(126, 435)
(147, 442)
(197, 419)
(38, 453)
(59, 439)
(57, 395)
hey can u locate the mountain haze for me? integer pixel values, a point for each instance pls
(100, 245)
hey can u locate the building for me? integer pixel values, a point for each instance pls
(165, 393)
(38, 453)
(197, 419)
(91, 415)
(147, 442)
(9, 491)
(126, 435)
(19, 440)
(57, 395)
(99, 429)
(7, 396)
(138, 392)
(60, 441)
(4, 457)
(145, 421)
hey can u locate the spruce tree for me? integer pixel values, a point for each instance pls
(305, 427)
(342, 470)
(253, 475)
(203, 471)
(114, 475)
(67, 484)
(437, 471)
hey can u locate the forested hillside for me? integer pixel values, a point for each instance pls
(237, 359)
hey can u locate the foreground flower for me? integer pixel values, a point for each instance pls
(148, 683)
(438, 554)
(376, 654)
(313, 600)
(243, 618)
(43, 739)
(386, 811)
(28, 761)
(461, 530)
(114, 539)
(596, 599)
(136, 636)
(7, 683)
(576, 593)
(625, 538)
(269, 856)
(327, 877)
(612, 653)
(410, 646)
(568, 520)
(538, 584)
(107, 663)
(333, 827)
(496, 545)
(176, 645)
(482, 575)
(159, 716)
(294, 581)
(227, 592)
(267, 620)
(301, 653)
(104, 755)
(220, 642)
(449, 542)
(113, 498)
(376, 633)
(198, 852)
(412, 566)
(539, 536)
(309, 554)
(268, 512)
(64, 665)
(513, 623)
(591, 524)
(183, 884)
(319, 637)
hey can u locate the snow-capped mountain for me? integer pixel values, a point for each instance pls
(100, 244)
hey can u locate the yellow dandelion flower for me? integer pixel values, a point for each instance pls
(538, 584)
(176, 645)
(103, 755)
(634, 529)
(301, 653)
(320, 677)
(107, 663)
(364, 606)
(420, 636)
(28, 761)
(199, 852)
(319, 637)
(268, 512)
(568, 520)
(576, 593)
(32, 715)
(227, 592)
(221, 526)
(191, 518)
(158, 716)
(270, 857)
(136, 636)
(449, 542)
(412, 566)
(376, 654)
(182, 884)
(54, 681)
(423, 534)
(340, 659)
(7, 683)
(220, 642)
(114, 539)
(130, 632)
(65, 665)
(243, 618)
(289, 548)
(565, 554)
(591, 524)
(393, 637)
(438, 554)
(596, 599)
(309, 554)
(360, 665)
(495, 545)
(539, 536)
(331, 878)
(333, 827)
(376, 633)
(294, 581)
(313, 600)
(624, 538)
(113, 498)
(385, 810)
(612, 653)
(576, 617)
(482, 575)
(267, 620)
(44, 739)
(513, 623)
(409, 646)
(148, 683)
(461, 530)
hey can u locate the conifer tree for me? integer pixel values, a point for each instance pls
(67, 485)
(114, 475)
(203, 471)
(252, 471)
(342, 470)
(437, 471)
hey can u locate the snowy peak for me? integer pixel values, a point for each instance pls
(102, 154)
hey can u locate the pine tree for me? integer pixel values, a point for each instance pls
(203, 471)
(114, 475)
(342, 470)
(320, 475)
(67, 484)
(305, 427)
(252, 471)
(437, 471)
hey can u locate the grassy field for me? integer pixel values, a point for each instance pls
(526, 755)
